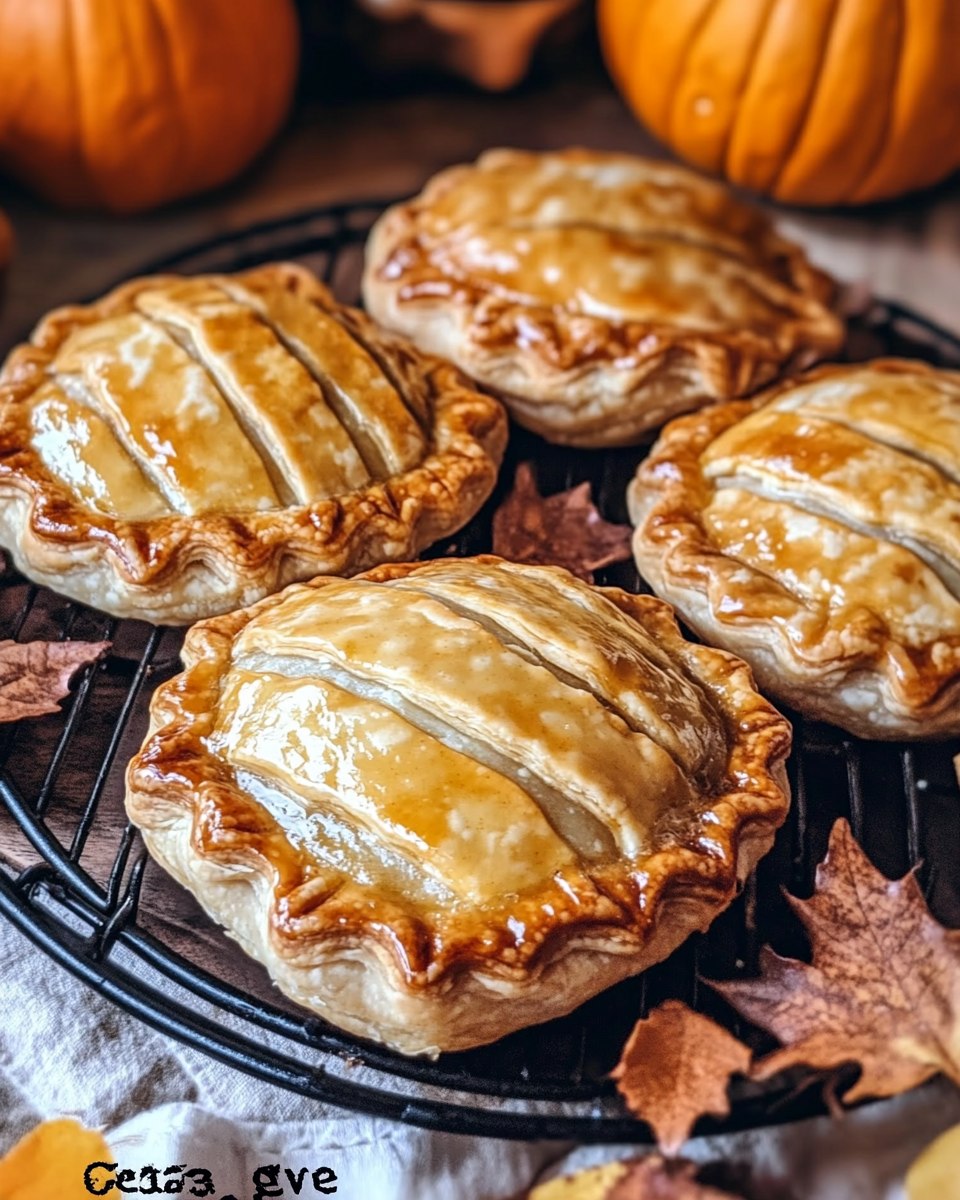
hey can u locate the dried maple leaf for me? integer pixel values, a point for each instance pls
(650, 1178)
(883, 989)
(35, 676)
(675, 1067)
(50, 1161)
(563, 530)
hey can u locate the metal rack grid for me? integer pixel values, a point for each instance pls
(82, 888)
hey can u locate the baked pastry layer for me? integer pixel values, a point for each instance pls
(815, 531)
(187, 445)
(442, 801)
(598, 294)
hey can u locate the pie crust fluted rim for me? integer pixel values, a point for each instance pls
(629, 915)
(845, 673)
(587, 380)
(177, 568)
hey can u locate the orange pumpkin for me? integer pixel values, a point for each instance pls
(128, 105)
(812, 101)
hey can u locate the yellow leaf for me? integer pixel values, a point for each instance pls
(593, 1184)
(50, 1161)
(650, 1178)
(936, 1173)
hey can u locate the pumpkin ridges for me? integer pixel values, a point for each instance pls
(258, 66)
(134, 104)
(670, 27)
(716, 70)
(21, 93)
(924, 142)
(174, 81)
(231, 43)
(76, 60)
(883, 139)
(131, 105)
(186, 67)
(826, 159)
(265, 70)
(758, 44)
(749, 159)
(844, 100)
(689, 50)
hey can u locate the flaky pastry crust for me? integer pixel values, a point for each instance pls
(425, 975)
(597, 294)
(813, 532)
(176, 566)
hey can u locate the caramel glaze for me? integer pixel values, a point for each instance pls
(229, 399)
(691, 852)
(823, 505)
(458, 426)
(584, 258)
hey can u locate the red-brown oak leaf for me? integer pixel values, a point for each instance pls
(675, 1067)
(563, 530)
(883, 987)
(649, 1178)
(35, 676)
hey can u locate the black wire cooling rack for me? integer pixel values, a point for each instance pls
(76, 880)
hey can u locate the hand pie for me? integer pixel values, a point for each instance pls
(597, 294)
(445, 800)
(816, 532)
(188, 445)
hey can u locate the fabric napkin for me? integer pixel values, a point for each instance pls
(64, 1050)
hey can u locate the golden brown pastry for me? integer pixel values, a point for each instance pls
(598, 294)
(816, 532)
(187, 445)
(442, 801)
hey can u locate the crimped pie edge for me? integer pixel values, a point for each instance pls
(210, 835)
(175, 569)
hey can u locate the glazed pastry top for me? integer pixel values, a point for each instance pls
(846, 491)
(610, 236)
(482, 725)
(213, 395)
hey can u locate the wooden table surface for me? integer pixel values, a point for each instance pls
(909, 250)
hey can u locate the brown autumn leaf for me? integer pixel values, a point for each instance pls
(563, 530)
(883, 989)
(675, 1067)
(650, 1178)
(35, 676)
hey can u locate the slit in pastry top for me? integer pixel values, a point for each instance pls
(209, 397)
(467, 745)
(843, 481)
(621, 239)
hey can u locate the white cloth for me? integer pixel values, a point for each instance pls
(66, 1051)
